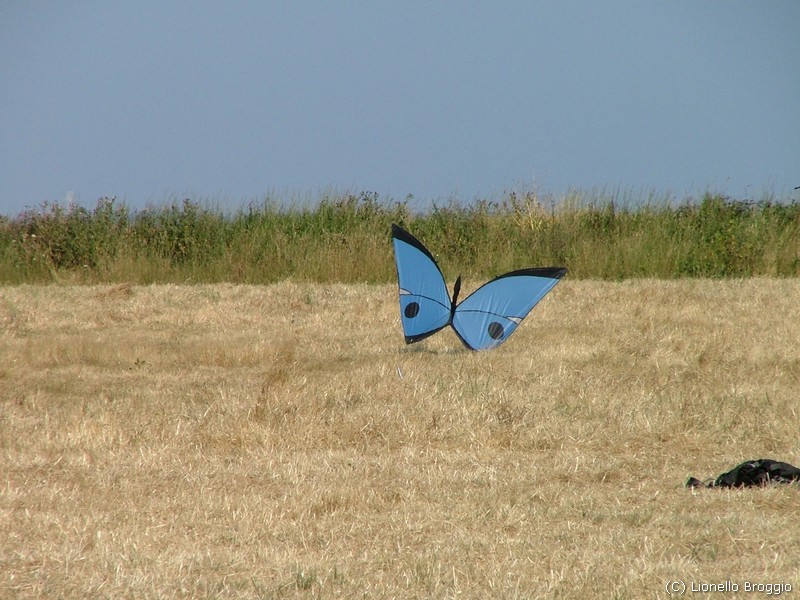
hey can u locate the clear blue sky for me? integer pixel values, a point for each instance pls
(150, 101)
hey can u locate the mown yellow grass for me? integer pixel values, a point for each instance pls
(282, 441)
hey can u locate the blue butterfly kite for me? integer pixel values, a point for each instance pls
(484, 319)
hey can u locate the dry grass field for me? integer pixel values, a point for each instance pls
(223, 441)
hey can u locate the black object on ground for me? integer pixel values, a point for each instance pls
(751, 473)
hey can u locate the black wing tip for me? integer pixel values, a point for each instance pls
(548, 272)
(401, 234)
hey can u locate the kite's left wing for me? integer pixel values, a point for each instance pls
(488, 316)
(425, 305)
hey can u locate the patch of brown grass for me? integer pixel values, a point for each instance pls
(280, 441)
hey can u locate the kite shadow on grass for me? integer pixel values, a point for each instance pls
(455, 351)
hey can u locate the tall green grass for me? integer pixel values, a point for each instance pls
(345, 238)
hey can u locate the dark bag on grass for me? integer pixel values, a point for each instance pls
(752, 473)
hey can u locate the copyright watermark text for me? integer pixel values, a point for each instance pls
(679, 587)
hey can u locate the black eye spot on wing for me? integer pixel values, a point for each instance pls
(411, 310)
(495, 330)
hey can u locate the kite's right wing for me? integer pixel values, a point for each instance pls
(488, 316)
(425, 305)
